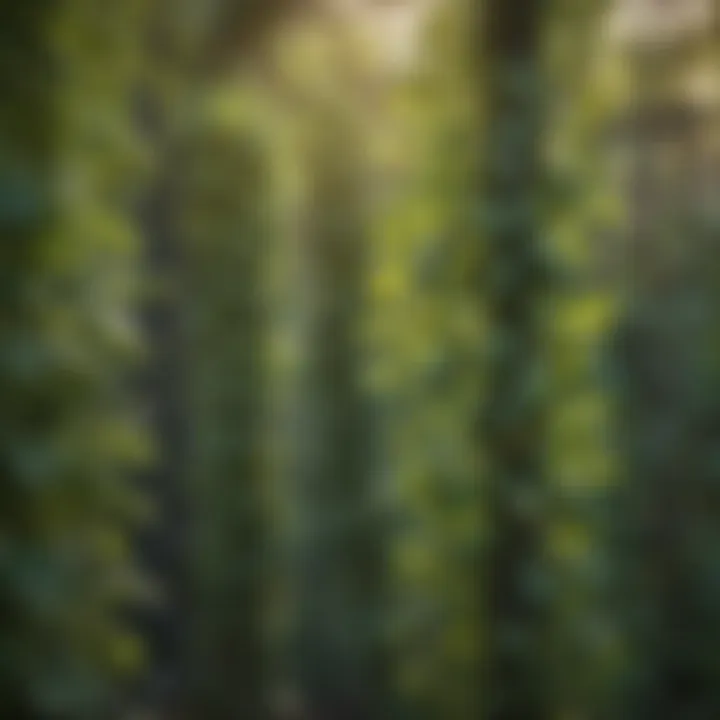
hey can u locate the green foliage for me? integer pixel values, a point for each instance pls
(425, 337)
(437, 432)
(338, 576)
(514, 290)
(664, 525)
(70, 436)
(225, 219)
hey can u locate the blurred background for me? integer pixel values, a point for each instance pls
(360, 360)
